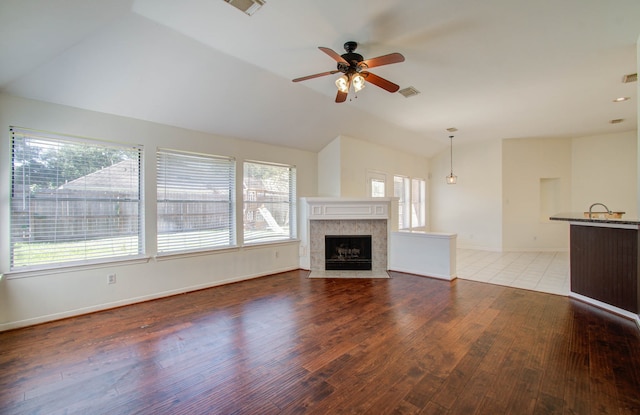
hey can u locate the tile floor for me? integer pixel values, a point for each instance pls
(538, 271)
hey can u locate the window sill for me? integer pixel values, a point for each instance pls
(187, 254)
(28, 273)
(249, 245)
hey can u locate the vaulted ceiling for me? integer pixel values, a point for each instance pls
(492, 69)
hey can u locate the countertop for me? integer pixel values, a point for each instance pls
(579, 217)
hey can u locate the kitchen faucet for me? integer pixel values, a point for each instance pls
(601, 204)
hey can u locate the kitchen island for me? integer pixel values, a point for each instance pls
(604, 261)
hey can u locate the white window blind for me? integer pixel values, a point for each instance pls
(418, 203)
(73, 201)
(196, 194)
(269, 197)
(402, 190)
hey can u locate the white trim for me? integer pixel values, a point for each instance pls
(129, 301)
(607, 307)
(28, 273)
(430, 275)
(345, 208)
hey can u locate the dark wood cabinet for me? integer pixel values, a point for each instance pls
(604, 264)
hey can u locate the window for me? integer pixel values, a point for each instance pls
(196, 195)
(376, 182)
(418, 203)
(377, 188)
(402, 190)
(269, 197)
(73, 201)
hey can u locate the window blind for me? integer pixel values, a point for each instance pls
(401, 190)
(196, 195)
(72, 200)
(269, 197)
(418, 203)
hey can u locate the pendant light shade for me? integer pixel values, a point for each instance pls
(451, 178)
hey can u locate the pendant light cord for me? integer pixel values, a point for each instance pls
(451, 149)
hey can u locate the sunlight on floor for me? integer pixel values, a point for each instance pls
(538, 271)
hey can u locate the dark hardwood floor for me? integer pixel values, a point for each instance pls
(286, 344)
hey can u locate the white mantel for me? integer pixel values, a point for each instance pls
(327, 208)
(345, 210)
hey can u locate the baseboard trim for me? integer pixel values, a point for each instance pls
(129, 301)
(607, 307)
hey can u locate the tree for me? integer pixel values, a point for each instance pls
(46, 165)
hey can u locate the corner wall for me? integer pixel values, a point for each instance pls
(354, 159)
(329, 161)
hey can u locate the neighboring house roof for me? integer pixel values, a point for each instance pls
(121, 177)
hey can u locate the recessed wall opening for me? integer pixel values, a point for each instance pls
(348, 252)
(550, 195)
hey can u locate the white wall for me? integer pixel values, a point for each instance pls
(359, 158)
(472, 208)
(329, 166)
(604, 169)
(33, 298)
(525, 162)
(499, 202)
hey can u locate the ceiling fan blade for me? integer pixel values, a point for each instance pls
(383, 60)
(341, 97)
(334, 55)
(381, 82)
(318, 75)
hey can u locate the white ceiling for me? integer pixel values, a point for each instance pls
(491, 68)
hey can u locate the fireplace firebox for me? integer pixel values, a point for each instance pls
(347, 252)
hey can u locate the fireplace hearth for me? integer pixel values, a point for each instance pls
(348, 252)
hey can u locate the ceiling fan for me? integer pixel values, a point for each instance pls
(354, 69)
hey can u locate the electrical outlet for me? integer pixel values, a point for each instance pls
(111, 279)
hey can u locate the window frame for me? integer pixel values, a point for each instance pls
(195, 239)
(373, 178)
(56, 142)
(404, 200)
(421, 202)
(249, 196)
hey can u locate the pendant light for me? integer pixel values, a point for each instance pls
(451, 178)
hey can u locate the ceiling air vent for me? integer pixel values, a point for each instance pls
(247, 6)
(632, 77)
(408, 92)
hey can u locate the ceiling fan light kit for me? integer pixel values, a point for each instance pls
(354, 69)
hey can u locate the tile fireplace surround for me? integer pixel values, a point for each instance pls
(322, 216)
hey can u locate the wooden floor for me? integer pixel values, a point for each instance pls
(286, 344)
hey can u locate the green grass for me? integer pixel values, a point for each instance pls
(39, 253)
(43, 253)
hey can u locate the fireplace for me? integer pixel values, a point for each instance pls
(347, 252)
(322, 216)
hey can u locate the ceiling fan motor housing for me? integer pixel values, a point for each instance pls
(353, 59)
